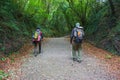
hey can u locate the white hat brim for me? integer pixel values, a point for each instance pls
(79, 27)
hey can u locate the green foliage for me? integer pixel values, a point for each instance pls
(3, 49)
(19, 18)
(108, 56)
(103, 28)
(3, 58)
(116, 30)
(3, 75)
(14, 24)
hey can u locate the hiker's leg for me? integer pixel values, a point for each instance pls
(74, 52)
(79, 52)
(40, 47)
(35, 48)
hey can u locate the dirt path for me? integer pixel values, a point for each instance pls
(55, 63)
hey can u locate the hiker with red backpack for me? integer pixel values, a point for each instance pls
(37, 39)
(76, 39)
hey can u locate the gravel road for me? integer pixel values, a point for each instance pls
(55, 63)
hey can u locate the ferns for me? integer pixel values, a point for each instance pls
(19, 18)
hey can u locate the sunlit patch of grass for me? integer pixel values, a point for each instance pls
(3, 59)
(108, 56)
(3, 75)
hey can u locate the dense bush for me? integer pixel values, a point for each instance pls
(13, 27)
(104, 28)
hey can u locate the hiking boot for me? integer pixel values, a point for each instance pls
(35, 55)
(74, 59)
(79, 61)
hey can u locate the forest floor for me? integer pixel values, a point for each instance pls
(55, 63)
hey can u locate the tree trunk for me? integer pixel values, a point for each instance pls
(112, 7)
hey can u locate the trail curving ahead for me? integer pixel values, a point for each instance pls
(55, 63)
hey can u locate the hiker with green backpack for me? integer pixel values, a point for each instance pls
(37, 39)
(76, 39)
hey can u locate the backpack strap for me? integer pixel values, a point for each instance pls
(75, 30)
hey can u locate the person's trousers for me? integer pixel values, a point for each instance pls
(76, 48)
(37, 43)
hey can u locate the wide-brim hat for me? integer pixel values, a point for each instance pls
(80, 27)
